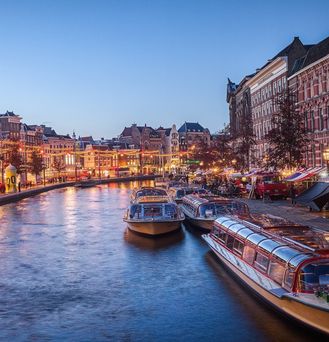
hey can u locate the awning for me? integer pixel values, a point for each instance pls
(315, 197)
(301, 176)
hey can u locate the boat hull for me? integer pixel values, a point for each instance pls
(154, 228)
(288, 305)
(205, 225)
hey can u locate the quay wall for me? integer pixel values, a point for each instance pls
(9, 198)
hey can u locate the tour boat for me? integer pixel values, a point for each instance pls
(86, 183)
(286, 264)
(201, 211)
(153, 215)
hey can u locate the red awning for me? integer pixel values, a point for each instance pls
(301, 176)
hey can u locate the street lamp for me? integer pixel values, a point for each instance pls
(326, 158)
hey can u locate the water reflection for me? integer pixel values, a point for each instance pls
(70, 271)
(153, 242)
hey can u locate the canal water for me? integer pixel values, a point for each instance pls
(70, 271)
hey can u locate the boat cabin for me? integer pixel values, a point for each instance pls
(213, 206)
(295, 257)
(156, 210)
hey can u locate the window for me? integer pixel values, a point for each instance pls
(312, 276)
(289, 277)
(305, 121)
(276, 271)
(238, 247)
(222, 236)
(248, 254)
(261, 262)
(312, 122)
(321, 126)
(230, 242)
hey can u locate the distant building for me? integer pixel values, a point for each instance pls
(59, 153)
(10, 126)
(192, 133)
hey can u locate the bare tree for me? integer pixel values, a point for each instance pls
(288, 137)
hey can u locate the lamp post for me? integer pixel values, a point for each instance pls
(326, 158)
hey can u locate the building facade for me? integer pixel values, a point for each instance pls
(310, 82)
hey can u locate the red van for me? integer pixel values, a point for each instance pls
(269, 185)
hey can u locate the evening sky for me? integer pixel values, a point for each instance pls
(97, 66)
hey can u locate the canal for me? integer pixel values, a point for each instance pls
(70, 271)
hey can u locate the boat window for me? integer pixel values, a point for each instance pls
(298, 259)
(243, 233)
(289, 277)
(313, 276)
(236, 227)
(221, 219)
(276, 271)
(135, 211)
(215, 231)
(261, 262)
(222, 236)
(152, 211)
(207, 210)
(238, 247)
(269, 245)
(229, 242)
(256, 238)
(237, 207)
(249, 254)
(285, 253)
(221, 209)
(170, 210)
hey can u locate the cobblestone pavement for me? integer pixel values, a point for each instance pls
(297, 214)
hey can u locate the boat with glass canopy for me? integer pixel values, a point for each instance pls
(201, 211)
(284, 263)
(152, 212)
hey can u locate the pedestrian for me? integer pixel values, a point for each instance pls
(292, 194)
(19, 186)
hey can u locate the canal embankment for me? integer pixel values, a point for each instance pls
(18, 196)
(296, 213)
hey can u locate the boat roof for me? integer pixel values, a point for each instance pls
(197, 200)
(150, 191)
(152, 199)
(285, 241)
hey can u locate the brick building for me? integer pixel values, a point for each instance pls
(310, 81)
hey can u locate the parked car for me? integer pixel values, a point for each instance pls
(269, 185)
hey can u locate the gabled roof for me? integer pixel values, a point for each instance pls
(314, 53)
(191, 127)
(49, 132)
(127, 132)
(8, 114)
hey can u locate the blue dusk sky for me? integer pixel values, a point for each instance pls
(97, 66)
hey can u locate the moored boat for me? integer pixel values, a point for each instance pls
(86, 183)
(286, 264)
(201, 211)
(153, 215)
